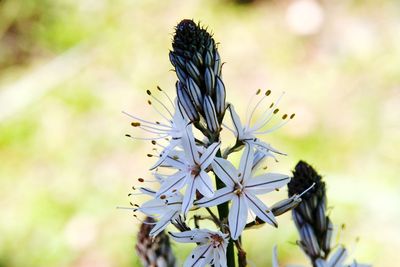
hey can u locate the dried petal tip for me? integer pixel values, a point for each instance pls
(303, 177)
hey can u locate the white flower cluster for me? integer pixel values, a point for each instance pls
(186, 167)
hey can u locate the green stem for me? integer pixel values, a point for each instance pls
(223, 211)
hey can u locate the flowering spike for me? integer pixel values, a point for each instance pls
(198, 67)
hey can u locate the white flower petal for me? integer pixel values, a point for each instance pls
(275, 257)
(246, 162)
(260, 209)
(147, 191)
(236, 121)
(174, 182)
(320, 263)
(220, 196)
(337, 259)
(189, 196)
(198, 236)
(222, 257)
(153, 207)
(198, 256)
(225, 171)
(174, 161)
(166, 152)
(163, 222)
(189, 146)
(209, 155)
(204, 184)
(237, 216)
(264, 147)
(266, 182)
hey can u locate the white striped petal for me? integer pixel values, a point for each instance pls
(260, 209)
(225, 171)
(198, 256)
(209, 155)
(153, 206)
(190, 236)
(204, 184)
(222, 257)
(246, 163)
(237, 216)
(275, 257)
(189, 196)
(236, 121)
(163, 223)
(173, 182)
(337, 259)
(165, 153)
(189, 146)
(266, 183)
(220, 196)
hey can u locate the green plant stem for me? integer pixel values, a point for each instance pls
(223, 211)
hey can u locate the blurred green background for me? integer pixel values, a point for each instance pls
(67, 69)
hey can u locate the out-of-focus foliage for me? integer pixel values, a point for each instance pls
(67, 69)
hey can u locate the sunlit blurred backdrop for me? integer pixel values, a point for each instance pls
(68, 68)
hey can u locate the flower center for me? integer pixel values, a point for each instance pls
(195, 170)
(216, 240)
(238, 189)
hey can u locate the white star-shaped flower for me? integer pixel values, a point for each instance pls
(165, 209)
(192, 171)
(242, 188)
(171, 128)
(211, 248)
(247, 133)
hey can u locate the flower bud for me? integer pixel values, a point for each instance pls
(285, 205)
(310, 241)
(210, 114)
(209, 80)
(186, 102)
(208, 59)
(194, 92)
(217, 64)
(320, 218)
(326, 244)
(193, 71)
(220, 97)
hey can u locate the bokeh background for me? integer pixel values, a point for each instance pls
(68, 68)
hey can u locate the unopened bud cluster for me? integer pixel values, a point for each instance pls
(314, 226)
(197, 63)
